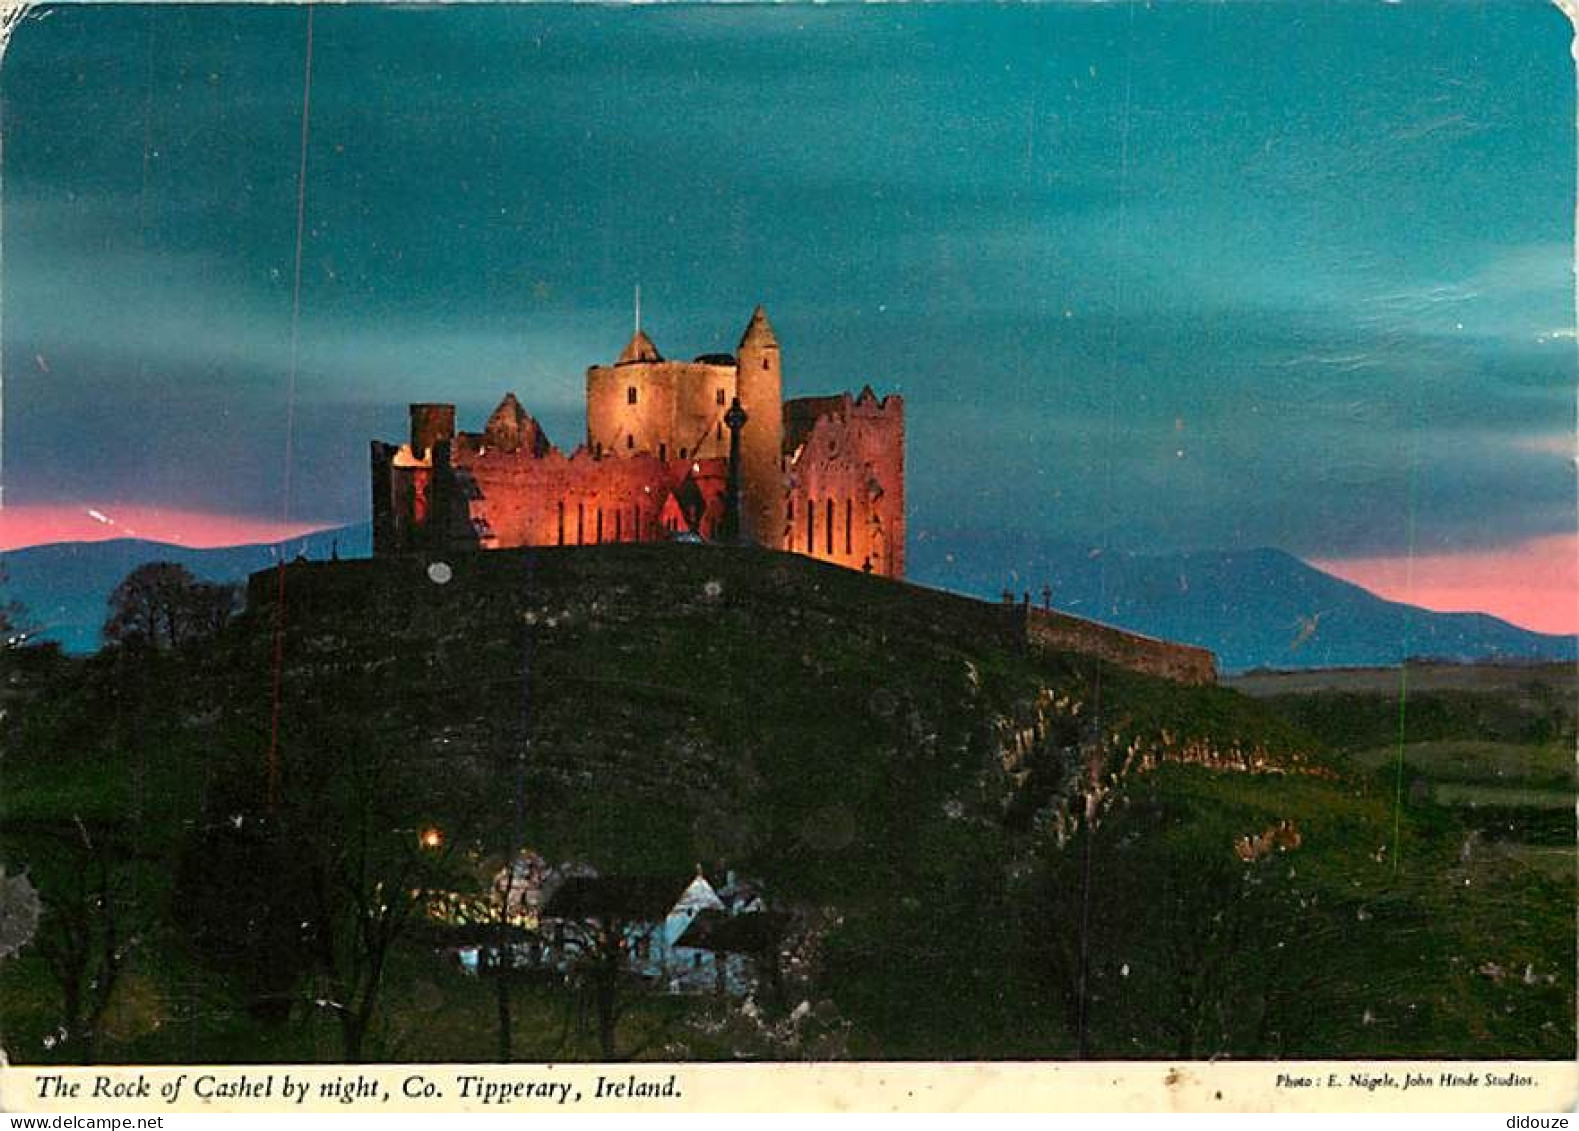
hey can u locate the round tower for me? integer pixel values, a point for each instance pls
(759, 384)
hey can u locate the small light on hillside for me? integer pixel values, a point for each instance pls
(431, 837)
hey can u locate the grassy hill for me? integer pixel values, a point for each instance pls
(966, 833)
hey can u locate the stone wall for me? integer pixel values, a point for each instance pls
(846, 501)
(556, 500)
(1058, 632)
(676, 408)
(481, 497)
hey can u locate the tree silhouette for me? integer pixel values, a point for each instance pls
(241, 899)
(1186, 949)
(88, 927)
(161, 605)
(373, 831)
(15, 628)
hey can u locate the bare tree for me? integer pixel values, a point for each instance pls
(358, 919)
(1154, 938)
(363, 819)
(161, 605)
(370, 882)
(600, 968)
(84, 938)
(602, 925)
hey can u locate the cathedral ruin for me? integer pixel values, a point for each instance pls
(674, 449)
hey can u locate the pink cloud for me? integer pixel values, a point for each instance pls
(37, 525)
(1533, 584)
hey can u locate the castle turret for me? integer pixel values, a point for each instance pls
(431, 424)
(760, 387)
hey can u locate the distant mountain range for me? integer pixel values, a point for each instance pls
(1255, 608)
(65, 587)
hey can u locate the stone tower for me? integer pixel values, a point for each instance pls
(819, 476)
(760, 386)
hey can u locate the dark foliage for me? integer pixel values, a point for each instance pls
(240, 898)
(161, 605)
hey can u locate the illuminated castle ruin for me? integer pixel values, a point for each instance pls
(674, 448)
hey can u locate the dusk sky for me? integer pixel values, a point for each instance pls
(1185, 276)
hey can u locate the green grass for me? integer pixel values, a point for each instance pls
(1391, 936)
(1487, 888)
(1500, 797)
(849, 742)
(1557, 863)
(1470, 760)
(434, 1012)
(1351, 720)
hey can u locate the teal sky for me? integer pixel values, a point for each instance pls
(1152, 277)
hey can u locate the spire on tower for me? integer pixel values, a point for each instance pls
(640, 348)
(759, 331)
